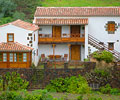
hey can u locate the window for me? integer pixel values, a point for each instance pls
(15, 57)
(111, 46)
(11, 57)
(34, 37)
(0, 57)
(111, 27)
(10, 37)
(24, 57)
(20, 57)
(4, 57)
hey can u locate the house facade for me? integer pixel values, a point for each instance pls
(18, 44)
(77, 31)
(65, 33)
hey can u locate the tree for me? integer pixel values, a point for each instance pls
(7, 8)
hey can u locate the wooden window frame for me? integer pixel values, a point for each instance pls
(111, 27)
(6, 57)
(1, 57)
(23, 57)
(8, 37)
(109, 46)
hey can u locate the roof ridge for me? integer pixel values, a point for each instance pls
(82, 7)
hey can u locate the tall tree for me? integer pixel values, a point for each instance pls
(7, 8)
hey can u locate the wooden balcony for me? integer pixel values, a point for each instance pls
(65, 38)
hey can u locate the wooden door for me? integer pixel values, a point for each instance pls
(75, 31)
(75, 52)
(57, 31)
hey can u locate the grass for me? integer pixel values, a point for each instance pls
(85, 96)
(79, 3)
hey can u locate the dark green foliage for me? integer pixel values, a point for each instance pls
(94, 98)
(13, 81)
(6, 20)
(104, 55)
(7, 8)
(80, 97)
(108, 90)
(71, 85)
(35, 95)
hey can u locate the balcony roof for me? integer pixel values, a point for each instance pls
(61, 21)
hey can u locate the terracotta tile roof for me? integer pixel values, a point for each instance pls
(76, 11)
(50, 21)
(23, 24)
(14, 47)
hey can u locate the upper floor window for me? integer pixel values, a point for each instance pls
(10, 37)
(111, 27)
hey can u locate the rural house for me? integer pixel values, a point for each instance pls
(61, 34)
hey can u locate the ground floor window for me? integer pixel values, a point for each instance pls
(4, 57)
(111, 46)
(13, 57)
(0, 57)
(24, 57)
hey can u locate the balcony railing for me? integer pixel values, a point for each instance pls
(65, 38)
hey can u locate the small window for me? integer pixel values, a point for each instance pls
(11, 57)
(34, 37)
(111, 46)
(15, 57)
(111, 27)
(20, 57)
(4, 57)
(0, 57)
(24, 57)
(10, 37)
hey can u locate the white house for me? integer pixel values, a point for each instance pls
(67, 33)
(26, 36)
(78, 31)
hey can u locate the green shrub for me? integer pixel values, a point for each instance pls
(15, 82)
(105, 89)
(35, 95)
(80, 97)
(1, 83)
(104, 55)
(71, 85)
(108, 90)
(94, 98)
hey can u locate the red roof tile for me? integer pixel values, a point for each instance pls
(14, 47)
(23, 24)
(76, 11)
(50, 21)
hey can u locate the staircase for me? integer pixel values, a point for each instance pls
(101, 46)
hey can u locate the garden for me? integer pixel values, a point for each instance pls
(98, 84)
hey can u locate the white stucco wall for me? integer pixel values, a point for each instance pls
(20, 34)
(47, 49)
(96, 28)
(35, 57)
(82, 52)
(48, 30)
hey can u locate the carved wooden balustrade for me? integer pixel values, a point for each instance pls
(65, 38)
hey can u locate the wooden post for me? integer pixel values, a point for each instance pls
(53, 51)
(69, 46)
